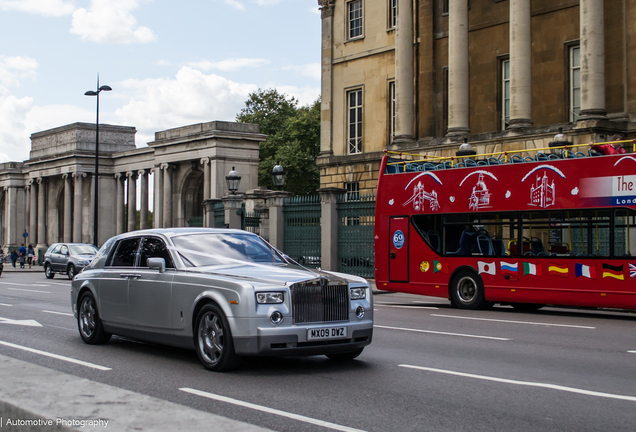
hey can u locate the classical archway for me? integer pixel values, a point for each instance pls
(192, 199)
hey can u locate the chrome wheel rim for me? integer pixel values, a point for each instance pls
(47, 270)
(87, 317)
(466, 289)
(71, 272)
(211, 337)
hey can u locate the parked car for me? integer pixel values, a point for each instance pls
(67, 258)
(222, 292)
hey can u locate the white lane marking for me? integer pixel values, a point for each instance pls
(56, 356)
(525, 383)
(406, 307)
(35, 291)
(28, 323)
(270, 410)
(442, 333)
(632, 352)
(514, 322)
(4, 304)
(59, 313)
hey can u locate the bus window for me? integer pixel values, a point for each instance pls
(428, 227)
(480, 234)
(624, 233)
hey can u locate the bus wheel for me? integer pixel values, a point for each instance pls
(467, 290)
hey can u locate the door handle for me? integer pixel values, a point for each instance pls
(130, 275)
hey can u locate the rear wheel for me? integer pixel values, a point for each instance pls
(345, 356)
(71, 272)
(213, 340)
(90, 325)
(48, 272)
(467, 290)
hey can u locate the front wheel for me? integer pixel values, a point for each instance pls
(90, 325)
(71, 272)
(467, 290)
(213, 340)
(48, 272)
(345, 356)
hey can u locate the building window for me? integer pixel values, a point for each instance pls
(392, 13)
(444, 7)
(575, 83)
(354, 20)
(391, 110)
(354, 103)
(505, 94)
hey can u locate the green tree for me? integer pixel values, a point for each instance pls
(293, 139)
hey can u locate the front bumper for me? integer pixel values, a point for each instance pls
(292, 341)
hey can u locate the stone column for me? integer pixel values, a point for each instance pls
(167, 195)
(33, 212)
(157, 215)
(132, 200)
(143, 210)
(329, 227)
(68, 209)
(206, 177)
(41, 213)
(275, 201)
(404, 79)
(458, 82)
(520, 64)
(232, 204)
(326, 13)
(10, 217)
(120, 202)
(78, 204)
(592, 60)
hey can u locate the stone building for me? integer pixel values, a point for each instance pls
(503, 74)
(50, 197)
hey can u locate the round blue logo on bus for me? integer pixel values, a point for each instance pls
(398, 239)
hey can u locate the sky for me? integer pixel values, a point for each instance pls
(170, 63)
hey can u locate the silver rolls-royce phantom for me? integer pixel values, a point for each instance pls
(225, 293)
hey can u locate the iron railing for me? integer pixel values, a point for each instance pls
(302, 229)
(356, 222)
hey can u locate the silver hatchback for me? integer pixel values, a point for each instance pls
(224, 293)
(67, 258)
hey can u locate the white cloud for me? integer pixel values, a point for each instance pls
(110, 21)
(229, 64)
(311, 70)
(12, 69)
(305, 95)
(40, 7)
(267, 2)
(235, 4)
(188, 98)
(14, 140)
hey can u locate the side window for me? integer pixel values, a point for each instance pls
(154, 248)
(125, 253)
(64, 250)
(56, 249)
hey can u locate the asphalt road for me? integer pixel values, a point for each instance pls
(429, 368)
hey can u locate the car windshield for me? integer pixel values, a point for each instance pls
(82, 249)
(206, 249)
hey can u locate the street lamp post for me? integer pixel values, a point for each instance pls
(96, 193)
(278, 176)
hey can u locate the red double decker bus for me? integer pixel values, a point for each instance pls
(558, 228)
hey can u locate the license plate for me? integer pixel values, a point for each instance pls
(327, 333)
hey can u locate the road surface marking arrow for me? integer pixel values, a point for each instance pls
(28, 323)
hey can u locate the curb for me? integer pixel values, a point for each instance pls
(35, 398)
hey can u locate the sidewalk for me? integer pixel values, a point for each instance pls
(9, 268)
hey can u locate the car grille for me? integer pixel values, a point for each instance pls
(312, 303)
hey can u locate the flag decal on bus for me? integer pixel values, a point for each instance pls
(509, 268)
(488, 268)
(585, 271)
(615, 272)
(531, 269)
(558, 269)
(440, 267)
(632, 270)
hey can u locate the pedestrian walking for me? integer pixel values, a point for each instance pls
(14, 258)
(30, 255)
(22, 252)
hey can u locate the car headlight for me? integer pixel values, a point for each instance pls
(83, 262)
(357, 293)
(269, 297)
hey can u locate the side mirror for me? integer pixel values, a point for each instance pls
(157, 264)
